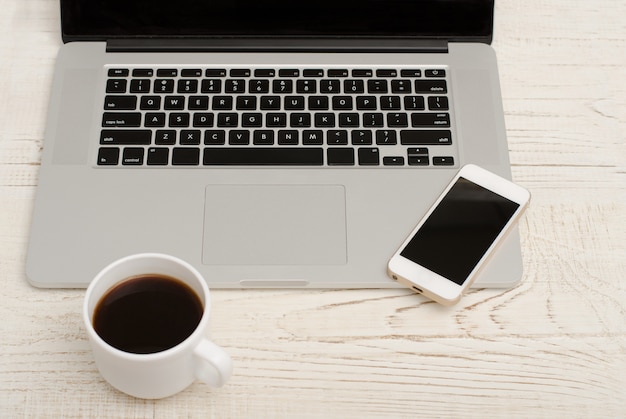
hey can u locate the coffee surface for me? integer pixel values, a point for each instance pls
(147, 314)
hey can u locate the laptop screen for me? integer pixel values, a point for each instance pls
(455, 20)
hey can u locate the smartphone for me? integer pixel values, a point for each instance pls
(443, 255)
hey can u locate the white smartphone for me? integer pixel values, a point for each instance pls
(445, 252)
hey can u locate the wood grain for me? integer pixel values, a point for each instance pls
(555, 346)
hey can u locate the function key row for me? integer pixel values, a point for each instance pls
(261, 86)
(244, 72)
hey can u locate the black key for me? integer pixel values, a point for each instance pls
(246, 103)
(431, 86)
(366, 103)
(335, 72)
(240, 72)
(211, 86)
(349, 119)
(203, 119)
(369, 157)
(313, 73)
(373, 120)
(118, 72)
(300, 120)
(167, 72)
(190, 137)
(270, 103)
(116, 86)
(393, 161)
(263, 137)
(353, 86)
(377, 86)
(294, 102)
(174, 103)
(239, 137)
(438, 103)
(214, 137)
(222, 103)
(132, 156)
(264, 156)
(425, 137)
(235, 86)
(286, 72)
(108, 156)
(386, 73)
(306, 86)
(261, 72)
(414, 103)
(150, 103)
(252, 119)
(185, 156)
(259, 86)
(191, 72)
(318, 102)
(312, 137)
(120, 103)
(386, 137)
(325, 120)
(342, 102)
(435, 73)
(157, 156)
(164, 86)
(401, 86)
(179, 120)
(397, 120)
(165, 136)
(154, 119)
(215, 72)
(443, 161)
(411, 73)
(337, 137)
(329, 86)
(288, 137)
(362, 73)
(276, 120)
(187, 86)
(430, 120)
(121, 119)
(417, 156)
(227, 120)
(340, 156)
(198, 103)
(126, 136)
(390, 103)
(140, 85)
(143, 72)
(282, 86)
(361, 137)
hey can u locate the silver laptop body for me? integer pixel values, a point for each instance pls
(326, 218)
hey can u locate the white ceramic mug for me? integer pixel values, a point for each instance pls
(159, 374)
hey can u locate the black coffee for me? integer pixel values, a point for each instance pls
(147, 313)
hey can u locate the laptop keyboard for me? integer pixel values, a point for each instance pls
(205, 117)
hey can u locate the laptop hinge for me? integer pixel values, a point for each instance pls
(278, 45)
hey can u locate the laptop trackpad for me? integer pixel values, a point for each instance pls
(274, 225)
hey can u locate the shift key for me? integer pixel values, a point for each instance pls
(425, 137)
(126, 136)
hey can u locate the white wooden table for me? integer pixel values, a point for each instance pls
(555, 346)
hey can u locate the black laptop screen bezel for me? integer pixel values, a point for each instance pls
(451, 20)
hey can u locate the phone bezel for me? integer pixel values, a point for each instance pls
(433, 285)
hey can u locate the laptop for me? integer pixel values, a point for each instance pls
(270, 143)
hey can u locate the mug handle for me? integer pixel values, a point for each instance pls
(213, 365)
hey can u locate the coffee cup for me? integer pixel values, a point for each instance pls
(147, 316)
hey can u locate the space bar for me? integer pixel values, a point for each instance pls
(263, 156)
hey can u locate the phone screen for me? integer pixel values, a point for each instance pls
(460, 230)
